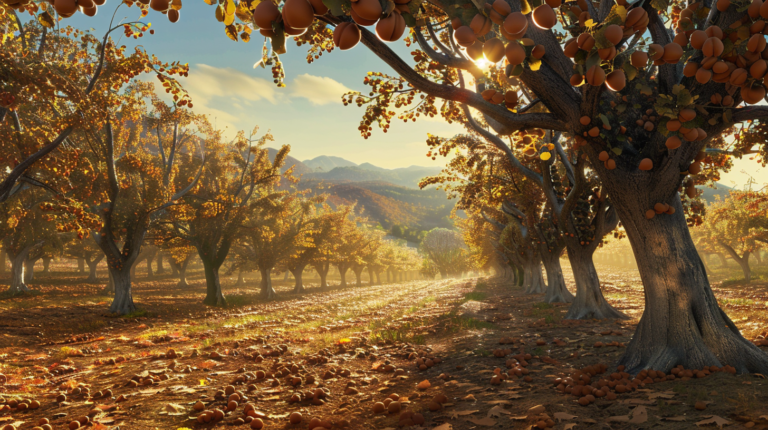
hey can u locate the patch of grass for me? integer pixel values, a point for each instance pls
(457, 323)
(543, 305)
(138, 313)
(476, 296)
(538, 351)
(90, 326)
(482, 352)
(481, 286)
(745, 404)
(737, 302)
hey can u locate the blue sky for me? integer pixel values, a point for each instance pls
(307, 114)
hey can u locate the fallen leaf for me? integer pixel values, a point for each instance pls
(619, 419)
(445, 426)
(714, 419)
(678, 418)
(639, 415)
(456, 414)
(496, 412)
(499, 402)
(665, 395)
(564, 416)
(519, 418)
(569, 426)
(175, 409)
(487, 422)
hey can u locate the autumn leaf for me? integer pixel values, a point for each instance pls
(46, 20)
(714, 419)
(231, 32)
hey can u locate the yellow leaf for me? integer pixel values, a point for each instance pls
(231, 7)
(229, 19)
(203, 382)
(231, 32)
(545, 156)
(220, 14)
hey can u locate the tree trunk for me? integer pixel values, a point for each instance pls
(298, 273)
(556, 291)
(758, 257)
(389, 279)
(358, 271)
(174, 267)
(213, 296)
(109, 289)
(123, 302)
(343, 274)
(150, 274)
(532, 282)
(92, 271)
(18, 264)
(682, 323)
(81, 265)
(743, 261)
(46, 265)
(267, 292)
(322, 272)
(2, 262)
(378, 277)
(589, 302)
(240, 280)
(723, 261)
(160, 268)
(370, 276)
(181, 271)
(29, 270)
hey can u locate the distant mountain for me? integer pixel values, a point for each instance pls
(326, 163)
(406, 177)
(299, 168)
(709, 193)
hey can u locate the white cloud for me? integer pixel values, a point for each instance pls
(206, 82)
(318, 90)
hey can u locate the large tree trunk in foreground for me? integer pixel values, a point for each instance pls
(298, 272)
(589, 302)
(682, 322)
(267, 292)
(17, 272)
(123, 302)
(556, 291)
(213, 296)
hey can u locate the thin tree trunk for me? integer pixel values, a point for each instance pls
(267, 292)
(160, 267)
(81, 265)
(370, 276)
(240, 280)
(181, 271)
(92, 264)
(389, 279)
(723, 260)
(322, 272)
(298, 273)
(589, 302)
(682, 323)
(213, 296)
(29, 270)
(358, 276)
(378, 277)
(742, 261)
(556, 291)
(123, 302)
(174, 268)
(17, 272)
(2, 262)
(46, 265)
(343, 274)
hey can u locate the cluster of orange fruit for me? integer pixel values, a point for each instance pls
(588, 385)
(67, 8)
(297, 16)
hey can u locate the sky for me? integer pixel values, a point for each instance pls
(308, 113)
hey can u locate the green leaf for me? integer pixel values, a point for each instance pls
(616, 150)
(592, 60)
(604, 119)
(660, 5)
(334, 6)
(617, 16)
(278, 40)
(410, 21)
(46, 20)
(629, 70)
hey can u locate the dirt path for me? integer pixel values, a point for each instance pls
(335, 355)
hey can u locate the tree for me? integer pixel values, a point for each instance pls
(211, 216)
(444, 248)
(652, 130)
(88, 250)
(738, 224)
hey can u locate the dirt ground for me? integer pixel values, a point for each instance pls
(335, 354)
